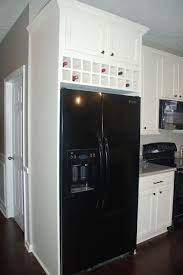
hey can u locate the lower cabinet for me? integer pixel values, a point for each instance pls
(155, 205)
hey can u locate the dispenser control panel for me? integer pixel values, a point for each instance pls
(82, 165)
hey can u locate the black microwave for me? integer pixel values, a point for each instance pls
(171, 115)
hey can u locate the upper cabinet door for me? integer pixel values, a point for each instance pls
(84, 32)
(124, 43)
(170, 77)
(151, 89)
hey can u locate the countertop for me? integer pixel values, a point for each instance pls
(148, 169)
(179, 163)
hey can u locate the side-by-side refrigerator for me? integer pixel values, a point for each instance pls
(99, 168)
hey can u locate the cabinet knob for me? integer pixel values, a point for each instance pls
(180, 96)
(145, 127)
(154, 194)
(160, 192)
(175, 95)
(112, 54)
(102, 52)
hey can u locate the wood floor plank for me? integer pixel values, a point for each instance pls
(14, 259)
(161, 256)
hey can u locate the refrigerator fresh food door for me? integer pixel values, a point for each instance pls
(117, 220)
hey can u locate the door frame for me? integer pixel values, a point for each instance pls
(9, 193)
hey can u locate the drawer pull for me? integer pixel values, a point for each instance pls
(160, 192)
(154, 194)
(156, 182)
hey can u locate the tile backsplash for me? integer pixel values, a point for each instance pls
(164, 136)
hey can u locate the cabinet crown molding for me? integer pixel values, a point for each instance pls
(74, 3)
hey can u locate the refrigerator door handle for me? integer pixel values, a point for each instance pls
(100, 155)
(107, 156)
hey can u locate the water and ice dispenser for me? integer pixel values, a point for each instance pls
(82, 166)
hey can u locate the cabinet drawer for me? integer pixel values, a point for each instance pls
(155, 181)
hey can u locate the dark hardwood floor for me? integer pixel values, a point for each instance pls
(161, 256)
(14, 259)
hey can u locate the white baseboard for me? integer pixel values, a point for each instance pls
(40, 262)
(28, 247)
(3, 208)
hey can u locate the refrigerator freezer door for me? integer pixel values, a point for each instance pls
(81, 114)
(81, 132)
(80, 147)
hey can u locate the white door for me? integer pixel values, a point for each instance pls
(164, 207)
(84, 32)
(146, 215)
(17, 145)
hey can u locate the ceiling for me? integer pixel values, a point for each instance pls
(163, 17)
(10, 10)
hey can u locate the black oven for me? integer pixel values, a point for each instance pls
(178, 199)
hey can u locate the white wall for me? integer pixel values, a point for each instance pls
(44, 137)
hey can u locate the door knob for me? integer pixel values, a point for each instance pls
(11, 158)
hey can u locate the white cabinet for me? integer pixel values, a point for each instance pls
(172, 77)
(169, 77)
(90, 31)
(164, 206)
(124, 43)
(146, 206)
(151, 88)
(84, 32)
(180, 91)
(155, 205)
(98, 37)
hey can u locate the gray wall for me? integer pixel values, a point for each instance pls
(13, 54)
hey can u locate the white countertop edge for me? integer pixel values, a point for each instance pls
(171, 169)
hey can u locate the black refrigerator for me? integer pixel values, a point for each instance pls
(99, 169)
